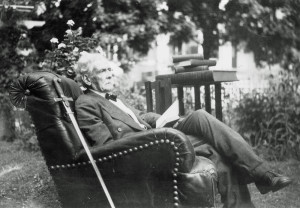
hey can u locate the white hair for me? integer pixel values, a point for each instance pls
(89, 61)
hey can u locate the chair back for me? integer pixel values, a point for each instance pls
(36, 93)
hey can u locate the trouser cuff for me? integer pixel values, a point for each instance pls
(259, 170)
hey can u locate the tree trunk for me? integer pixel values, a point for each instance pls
(6, 120)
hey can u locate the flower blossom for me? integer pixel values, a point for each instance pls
(79, 31)
(61, 45)
(54, 40)
(69, 32)
(70, 23)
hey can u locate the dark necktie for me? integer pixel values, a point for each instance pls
(110, 97)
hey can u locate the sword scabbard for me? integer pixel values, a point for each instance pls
(69, 111)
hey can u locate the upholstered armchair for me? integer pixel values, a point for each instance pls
(155, 168)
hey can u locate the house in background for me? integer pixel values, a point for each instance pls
(159, 59)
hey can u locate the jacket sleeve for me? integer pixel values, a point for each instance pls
(89, 118)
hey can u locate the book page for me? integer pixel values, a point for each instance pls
(171, 114)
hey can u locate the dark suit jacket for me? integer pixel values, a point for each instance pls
(102, 122)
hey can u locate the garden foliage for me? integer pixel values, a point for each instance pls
(63, 56)
(270, 118)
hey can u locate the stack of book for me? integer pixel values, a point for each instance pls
(191, 63)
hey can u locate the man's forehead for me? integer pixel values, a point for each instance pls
(99, 65)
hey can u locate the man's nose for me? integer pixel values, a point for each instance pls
(109, 74)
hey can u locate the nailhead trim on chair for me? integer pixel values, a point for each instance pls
(124, 152)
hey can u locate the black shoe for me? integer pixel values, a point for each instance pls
(272, 182)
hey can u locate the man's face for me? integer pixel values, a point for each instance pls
(103, 79)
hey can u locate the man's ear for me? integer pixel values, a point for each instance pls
(86, 80)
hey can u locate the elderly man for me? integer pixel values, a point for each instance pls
(104, 118)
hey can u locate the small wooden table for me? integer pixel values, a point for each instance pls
(164, 83)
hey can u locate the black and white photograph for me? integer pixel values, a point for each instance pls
(149, 104)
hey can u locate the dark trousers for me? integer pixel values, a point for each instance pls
(236, 161)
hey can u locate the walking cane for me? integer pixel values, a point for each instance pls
(65, 100)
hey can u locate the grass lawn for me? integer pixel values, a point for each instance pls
(25, 182)
(24, 179)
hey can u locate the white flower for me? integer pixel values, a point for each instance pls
(70, 23)
(279, 14)
(61, 45)
(54, 40)
(162, 6)
(69, 32)
(177, 15)
(79, 31)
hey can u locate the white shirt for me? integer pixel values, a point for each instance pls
(123, 107)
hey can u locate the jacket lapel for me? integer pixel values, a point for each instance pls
(134, 111)
(115, 112)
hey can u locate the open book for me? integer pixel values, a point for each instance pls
(170, 116)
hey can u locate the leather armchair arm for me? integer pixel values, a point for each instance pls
(155, 146)
(165, 153)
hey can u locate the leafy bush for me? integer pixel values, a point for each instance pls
(63, 56)
(270, 119)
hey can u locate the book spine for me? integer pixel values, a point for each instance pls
(180, 69)
(195, 62)
(179, 58)
(203, 77)
(192, 77)
(208, 63)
